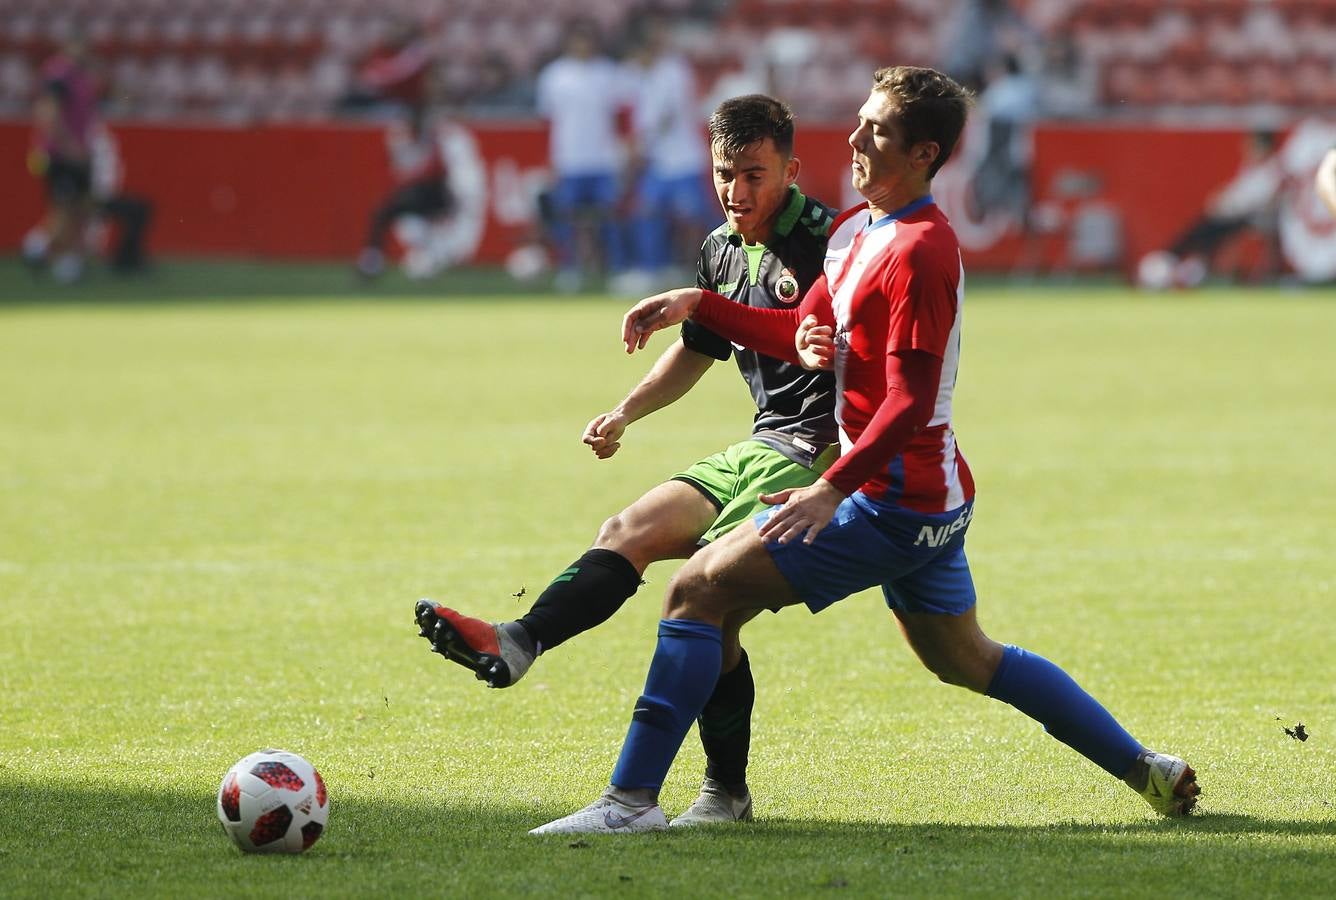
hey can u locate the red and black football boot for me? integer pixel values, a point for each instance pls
(494, 655)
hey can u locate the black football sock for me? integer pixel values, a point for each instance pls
(725, 727)
(585, 595)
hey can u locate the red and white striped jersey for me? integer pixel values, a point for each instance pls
(898, 284)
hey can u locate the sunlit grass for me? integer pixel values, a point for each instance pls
(214, 520)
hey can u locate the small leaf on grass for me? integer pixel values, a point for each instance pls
(578, 844)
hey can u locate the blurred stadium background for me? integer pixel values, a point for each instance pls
(1166, 142)
(216, 515)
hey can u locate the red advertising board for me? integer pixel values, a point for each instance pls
(1101, 196)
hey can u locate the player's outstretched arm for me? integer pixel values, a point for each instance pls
(769, 331)
(673, 375)
(656, 313)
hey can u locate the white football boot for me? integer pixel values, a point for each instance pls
(714, 805)
(1171, 785)
(607, 815)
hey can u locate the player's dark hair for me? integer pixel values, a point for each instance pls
(739, 122)
(930, 107)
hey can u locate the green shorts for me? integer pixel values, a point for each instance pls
(733, 479)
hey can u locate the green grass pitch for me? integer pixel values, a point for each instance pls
(215, 519)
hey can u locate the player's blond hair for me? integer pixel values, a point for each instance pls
(930, 106)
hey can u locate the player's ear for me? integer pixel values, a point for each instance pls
(924, 153)
(791, 169)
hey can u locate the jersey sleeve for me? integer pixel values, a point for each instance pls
(695, 335)
(920, 286)
(701, 339)
(768, 331)
(912, 379)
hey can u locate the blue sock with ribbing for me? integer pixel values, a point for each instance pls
(1049, 695)
(681, 678)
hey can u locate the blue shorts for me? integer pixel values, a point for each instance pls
(918, 559)
(595, 190)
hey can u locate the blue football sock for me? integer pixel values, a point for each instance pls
(681, 678)
(1044, 692)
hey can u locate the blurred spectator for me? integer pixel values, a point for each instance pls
(127, 214)
(581, 93)
(1010, 105)
(395, 72)
(670, 159)
(979, 34)
(64, 115)
(1068, 80)
(1248, 200)
(497, 89)
(422, 186)
(117, 219)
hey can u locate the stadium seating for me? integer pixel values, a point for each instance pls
(266, 59)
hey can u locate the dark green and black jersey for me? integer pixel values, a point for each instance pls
(795, 408)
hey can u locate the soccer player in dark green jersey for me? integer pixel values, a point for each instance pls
(766, 254)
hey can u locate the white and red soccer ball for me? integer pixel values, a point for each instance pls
(273, 802)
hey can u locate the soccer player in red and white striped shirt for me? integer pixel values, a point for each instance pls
(894, 510)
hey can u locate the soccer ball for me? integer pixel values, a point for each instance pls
(273, 802)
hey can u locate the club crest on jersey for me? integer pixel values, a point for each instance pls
(786, 289)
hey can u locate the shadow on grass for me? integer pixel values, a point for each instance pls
(74, 841)
(204, 281)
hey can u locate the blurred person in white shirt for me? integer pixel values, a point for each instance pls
(670, 160)
(580, 93)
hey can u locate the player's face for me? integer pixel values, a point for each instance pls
(884, 167)
(753, 187)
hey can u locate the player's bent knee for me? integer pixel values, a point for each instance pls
(972, 674)
(622, 536)
(612, 532)
(690, 597)
(642, 542)
(701, 592)
(947, 674)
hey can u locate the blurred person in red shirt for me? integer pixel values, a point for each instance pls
(64, 121)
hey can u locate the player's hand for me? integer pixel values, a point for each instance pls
(815, 343)
(802, 512)
(654, 313)
(604, 432)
